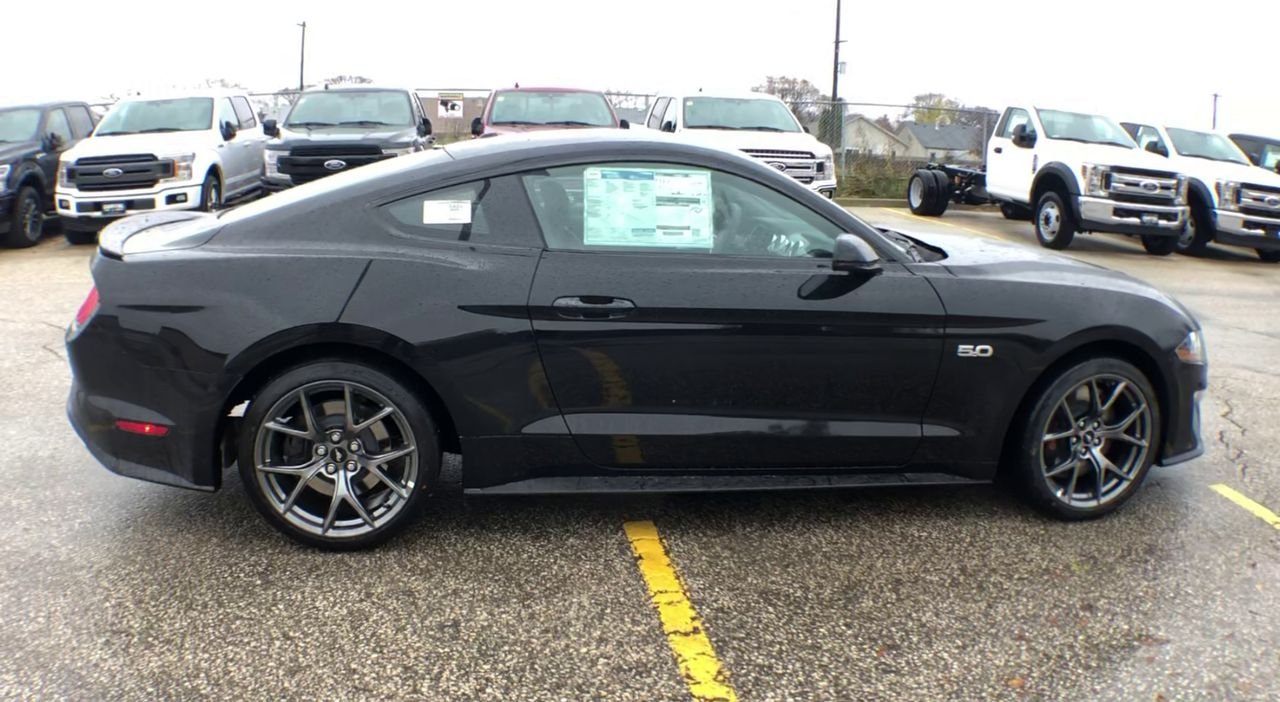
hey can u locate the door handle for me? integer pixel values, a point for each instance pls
(592, 307)
(999, 149)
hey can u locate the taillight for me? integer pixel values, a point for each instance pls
(88, 307)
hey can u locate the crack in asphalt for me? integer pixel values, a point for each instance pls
(1234, 453)
(56, 354)
(51, 325)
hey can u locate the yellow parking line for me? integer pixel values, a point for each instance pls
(1249, 505)
(703, 674)
(935, 220)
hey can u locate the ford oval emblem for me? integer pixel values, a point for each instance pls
(113, 172)
(1273, 202)
(334, 164)
(1150, 186)
(779, 165)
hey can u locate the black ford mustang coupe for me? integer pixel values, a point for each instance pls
(584, 311)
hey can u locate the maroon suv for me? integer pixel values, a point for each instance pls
(512, 110)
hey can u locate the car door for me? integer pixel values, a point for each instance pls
(247, 145)
(233, 157)
(57, 136)
(686, 319)
(1009, 166)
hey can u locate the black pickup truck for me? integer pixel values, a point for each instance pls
(339, 128)
(31, 138)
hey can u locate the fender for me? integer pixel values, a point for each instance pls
(1064, 172)
(30, 170)
(1196, 187)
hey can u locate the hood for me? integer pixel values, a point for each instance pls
(1208, 172)
(161, 144)
(737, 140)
(495, 129)
(15, 151)
(399, 135)
(1104, 155)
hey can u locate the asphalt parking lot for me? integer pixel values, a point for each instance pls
(117, 589)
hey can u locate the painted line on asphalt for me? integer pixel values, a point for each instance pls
(1248, 505)
(703, 673)
(935, 220)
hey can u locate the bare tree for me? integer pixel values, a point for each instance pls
(804, 97)
(932, 109)
(348, 80)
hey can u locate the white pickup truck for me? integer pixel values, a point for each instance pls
(757, 124)
(1232, 201)
(194, 151)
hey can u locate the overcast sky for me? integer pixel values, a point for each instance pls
(1122, 57)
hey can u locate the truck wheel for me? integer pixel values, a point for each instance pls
(1159, 244)
(211, 194)
(943, 197)
(1055, 223)
(26, 223)
(80, 237)
(920, 193)
(1199, 232)
(1269, 255)
(1017, 213)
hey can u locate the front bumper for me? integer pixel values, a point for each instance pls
(88, 208)
(825, 188)
(1239, 229)
(1099, 214)
(1186, 387)
(275, 185)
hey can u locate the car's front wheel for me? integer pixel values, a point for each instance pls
(1055, 223)
(1269, 255)
(1159, 244)
(27, 219)
(337, 455)
(1090, 437)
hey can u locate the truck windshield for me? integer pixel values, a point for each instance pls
(545, 107)
(145, 116)
(353, 108)
(19, 125)
(738, 113)
(1091, 129)
(1205, 145)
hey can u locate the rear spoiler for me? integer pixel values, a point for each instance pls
(111, 242)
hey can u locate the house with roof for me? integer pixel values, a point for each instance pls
(945, 143)
(863, 136)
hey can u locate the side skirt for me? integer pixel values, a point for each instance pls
(713, 483)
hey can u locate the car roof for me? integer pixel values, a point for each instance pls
(356, 87)
(42, 104)
(724, 94)
(547, 89)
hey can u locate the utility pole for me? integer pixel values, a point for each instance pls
(836, 134)
(835, 64)
(1215, 110)
(302, 58)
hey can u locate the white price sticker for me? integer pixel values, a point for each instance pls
(446, 212)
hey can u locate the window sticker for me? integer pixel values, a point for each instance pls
(647, 207)
(446, 212)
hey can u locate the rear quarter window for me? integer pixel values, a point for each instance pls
(493, 211)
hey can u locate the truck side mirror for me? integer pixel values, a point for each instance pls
(424, 127)
(624, 124)
(669, 126)
(228, 131)
(54, 141)
(271, 128)
(1157, 148)
(477, 127)
(1023, 137)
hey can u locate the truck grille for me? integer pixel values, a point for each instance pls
(801, 165)
(306, 163)
(125, 172)
(1142, 186)
(1260, 200)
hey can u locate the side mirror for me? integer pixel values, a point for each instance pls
(1023, 137)
(54, 141)
(854, 254)
(806, 129)
(1156, 148)
(271, 128)
(624, 124)
(669, 126)
(228, 131)
(424, 127)
(477, 127)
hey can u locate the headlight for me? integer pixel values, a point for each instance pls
(398, 151)
(271, 163)
(182, 164)
(828, 165)
(65, 173)
(1184, 184)
(1191, 350)
(1228, 195)
(4, 177)
(1094, 178)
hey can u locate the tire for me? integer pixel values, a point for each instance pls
(1055, 222)
(1199, 232)
(296, 473)
(1017, 213)
(1060, 453)
(942, 198)
(26, 221)
(1269, 255)
(1160, 244)
(211, 194)
(80, 237)
(921, 191)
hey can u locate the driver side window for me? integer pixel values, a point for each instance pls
(225, 114)
(1016, 117)
(669, 208)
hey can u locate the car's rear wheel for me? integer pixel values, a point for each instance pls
(942, 197)
(27, 220)
(1090, 439)
(921, 190)
(1159, 244)
(337, 455)
(1055, 223)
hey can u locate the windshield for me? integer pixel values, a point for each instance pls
(352, 108)
(140, 117)
(1091, 129)
(541, 107)
(19, 125)
(738, 113)
(1205, 145)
